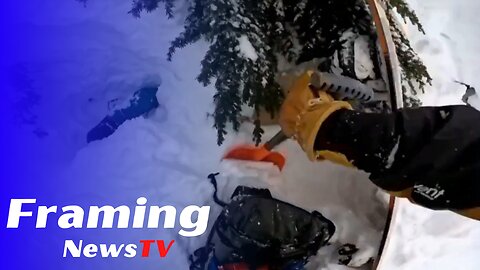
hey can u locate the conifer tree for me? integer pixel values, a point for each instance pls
(248, 37)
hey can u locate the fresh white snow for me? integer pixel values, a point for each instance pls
(391, 156)
(421, 238)
(363, 63)
(167, 156)
(246, 48)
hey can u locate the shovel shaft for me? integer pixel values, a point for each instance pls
(276, 140)
(280, 137)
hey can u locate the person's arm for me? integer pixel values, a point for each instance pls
(409, 146)
(429, 155)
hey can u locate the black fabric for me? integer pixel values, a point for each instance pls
(265, 230)
(436, 151)
(258, 230)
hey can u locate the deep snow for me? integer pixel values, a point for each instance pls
(167, 156)
(421, 238)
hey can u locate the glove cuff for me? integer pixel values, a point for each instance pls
(308, 125)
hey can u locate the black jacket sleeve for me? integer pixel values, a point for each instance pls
(434, 150)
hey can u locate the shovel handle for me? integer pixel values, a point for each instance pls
(276, 140)
(280, 137)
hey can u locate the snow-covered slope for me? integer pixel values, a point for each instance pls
(421, 238)
(450, 48)
(100, 53)
(167, 156)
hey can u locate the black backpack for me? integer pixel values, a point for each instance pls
(257, 230)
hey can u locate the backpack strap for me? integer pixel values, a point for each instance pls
(213, 180)
(203, 255)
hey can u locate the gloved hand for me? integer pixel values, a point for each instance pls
(303, 113)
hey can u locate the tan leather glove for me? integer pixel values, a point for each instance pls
(303, 113)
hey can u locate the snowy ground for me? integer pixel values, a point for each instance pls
(167, 156)
(423, 239)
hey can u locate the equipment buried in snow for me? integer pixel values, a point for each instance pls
(142, 102)
(256, 231)
(469, 92)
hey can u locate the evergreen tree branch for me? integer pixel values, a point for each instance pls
(248, 37)
(151, 5)
(406, 12)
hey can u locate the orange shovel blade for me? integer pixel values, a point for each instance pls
(251, 153)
